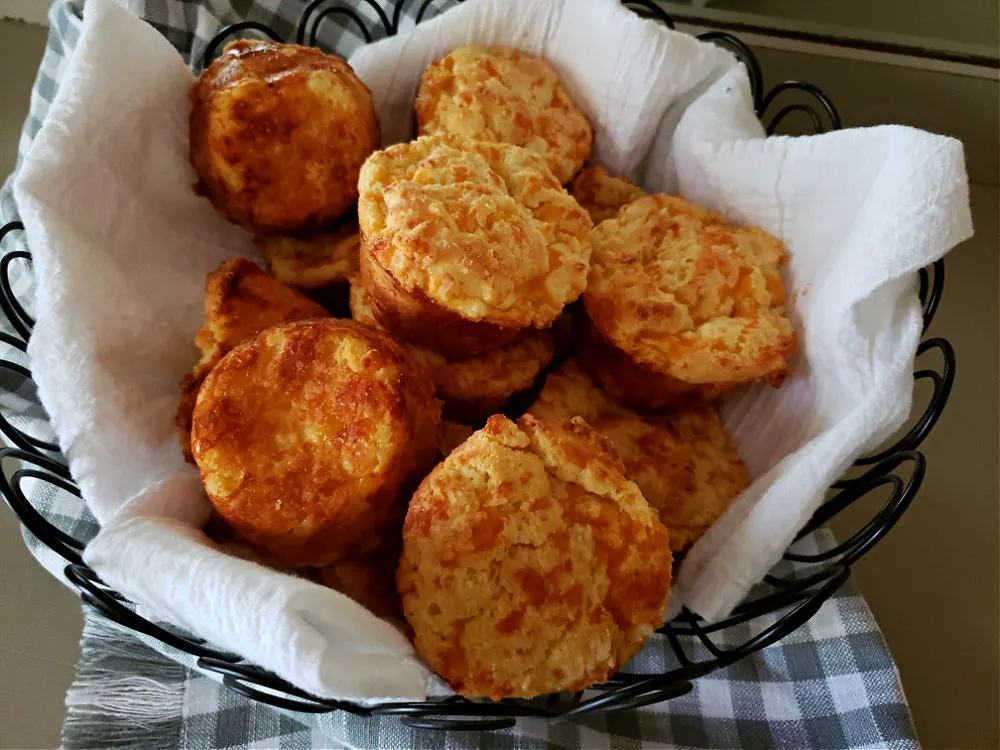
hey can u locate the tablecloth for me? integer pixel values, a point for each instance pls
(831, 684)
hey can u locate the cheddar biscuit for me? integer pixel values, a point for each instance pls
(475, 387)
(686, 296)
(602, 195)
(305, 433)
(530, 564)
(641, 386)
(278, 133)
(506, 96)
(313, 261)
(467, 243)
(241, 300)
(684, 462)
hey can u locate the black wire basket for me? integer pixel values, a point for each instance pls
(780, 604)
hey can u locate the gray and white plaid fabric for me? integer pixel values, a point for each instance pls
(831, 684)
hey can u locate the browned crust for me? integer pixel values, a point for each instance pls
(687, 296)
(306, 433)
(272, 152)
(241, 300)
(488, 381)
(530, 563)
(482, 229)
(505, 95)
(415, 317)
(636, 385)
(190, 385)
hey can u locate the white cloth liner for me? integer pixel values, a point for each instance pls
(122, 245)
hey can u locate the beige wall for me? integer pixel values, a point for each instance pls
(963, 21)
(40, 619)
(933, 582)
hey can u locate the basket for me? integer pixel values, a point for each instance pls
(794, 590)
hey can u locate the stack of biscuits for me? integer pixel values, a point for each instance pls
(527, 540)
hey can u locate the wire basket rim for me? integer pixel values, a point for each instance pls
(801, 597)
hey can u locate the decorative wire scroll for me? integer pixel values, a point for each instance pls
(783, 602)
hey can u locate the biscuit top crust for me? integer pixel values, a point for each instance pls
(482, 229)
(531, 564)
(301, 428)
(506, 96)
(688, 295)
(496, 373)
(336, 385)
(278, 133)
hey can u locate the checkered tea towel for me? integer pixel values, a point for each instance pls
(831, 684)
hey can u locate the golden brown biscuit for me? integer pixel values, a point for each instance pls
(313, 261)
(241, 300)
(506, 96)
(414, 317)
(466, 243)
(278, 134)
(530, 564)
(478, 386)
(602, 195)
(684, 462)
(687, 296)
(642, 387)
(305, 433)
